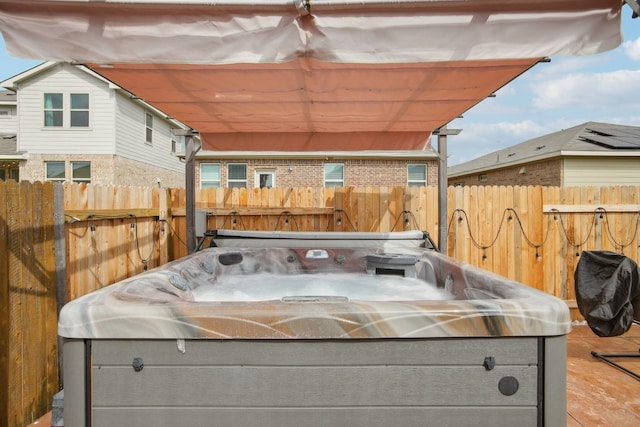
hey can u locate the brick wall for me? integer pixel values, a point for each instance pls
(131, 172)
(310, 172)
(545, 173)
(106, 169)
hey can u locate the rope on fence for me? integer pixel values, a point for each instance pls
(600, 213)
(286, 215)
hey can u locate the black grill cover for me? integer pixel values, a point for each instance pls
(607, 292)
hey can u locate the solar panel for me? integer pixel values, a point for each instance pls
(618, 131)
(614, 138)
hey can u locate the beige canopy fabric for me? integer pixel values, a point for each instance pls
(297, 75)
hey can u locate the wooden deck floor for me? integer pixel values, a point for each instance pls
(598, 394)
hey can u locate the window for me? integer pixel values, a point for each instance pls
(482, 178)
(9, 170)
(237, 175)
(334, 175)
(81, 171)
(77, 114)
(79, 110)
(177, 143)
(416, 175)
(149, 123)
(54, 171)
(53, 109)
(265, 178)
(209, 175)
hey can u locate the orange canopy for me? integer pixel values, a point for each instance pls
(297, 75)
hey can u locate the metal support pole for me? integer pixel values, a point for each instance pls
(442, 191)
(442, 185)
(190, 183)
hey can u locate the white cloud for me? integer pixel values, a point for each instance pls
(631, 49)
(566, 65)
(606, 91)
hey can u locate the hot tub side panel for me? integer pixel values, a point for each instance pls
(401, 382)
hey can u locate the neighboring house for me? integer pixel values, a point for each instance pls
(590, 154)
(247, 169)
(64, 122)
(9, 156)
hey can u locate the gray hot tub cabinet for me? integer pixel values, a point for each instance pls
(413, 382)
(146, 351)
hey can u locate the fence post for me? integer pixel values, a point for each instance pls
(164, 218)
(60, 250)
(4, 308)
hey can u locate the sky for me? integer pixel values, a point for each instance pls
(553, 96)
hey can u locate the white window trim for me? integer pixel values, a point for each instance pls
(88, 110)
(219, 171)
(46, 178)
(246, 175)
(422, 182)
(66, 112)
(177, 143)
(324, 174)
(74, 179)
(147, 128)
(259, 172)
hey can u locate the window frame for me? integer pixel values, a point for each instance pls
(178, 143)
(259, 172)
(46, 170)
(65, 113)
(219, 181)
(231, 182)
(148, 126)
(332, 182)
(52, 110)
(73, 172)
(79, 110)
(416, 182)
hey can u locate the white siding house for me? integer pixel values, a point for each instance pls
(601, 170)
(72, 124)
(9, 157)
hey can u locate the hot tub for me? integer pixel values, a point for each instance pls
(315, 329)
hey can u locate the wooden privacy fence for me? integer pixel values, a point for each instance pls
(530, 234)
(535, 234)
(58, 242)
(112, 233)
(28, 321)
(310, 209)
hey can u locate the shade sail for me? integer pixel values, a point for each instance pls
(310, 76)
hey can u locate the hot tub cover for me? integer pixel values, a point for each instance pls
(608, 291)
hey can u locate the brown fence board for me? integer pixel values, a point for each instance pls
(28, 354)
(5, 315)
